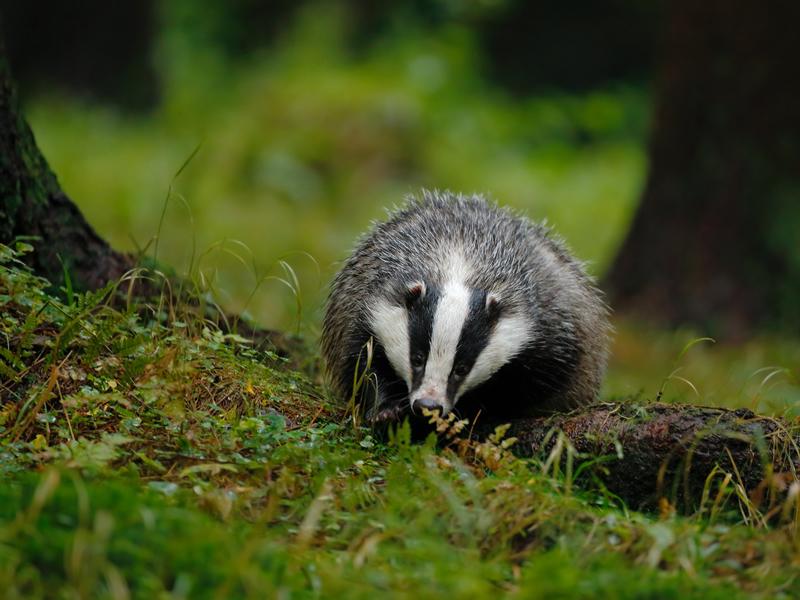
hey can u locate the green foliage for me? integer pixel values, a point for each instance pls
(304, 144)
(145, 454)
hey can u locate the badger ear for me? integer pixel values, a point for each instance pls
(493, 306)
(414, 291)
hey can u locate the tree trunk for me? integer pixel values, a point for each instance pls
(646, 453)
(32, 204)
(714, 242)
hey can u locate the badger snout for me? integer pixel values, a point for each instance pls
(428, 403)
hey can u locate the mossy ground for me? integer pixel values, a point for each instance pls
(146, 454)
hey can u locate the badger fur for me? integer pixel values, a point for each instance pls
(454, 303)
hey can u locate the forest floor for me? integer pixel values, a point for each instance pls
(144, 453)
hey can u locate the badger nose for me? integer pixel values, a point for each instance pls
(426, 402)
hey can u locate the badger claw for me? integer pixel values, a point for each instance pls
(386, 415)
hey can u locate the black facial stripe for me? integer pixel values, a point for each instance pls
(474, 337)
(420, 330)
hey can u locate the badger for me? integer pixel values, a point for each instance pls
(457, 304)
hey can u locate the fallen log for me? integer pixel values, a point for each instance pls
(663, 455)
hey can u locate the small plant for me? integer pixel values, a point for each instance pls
(674, 374)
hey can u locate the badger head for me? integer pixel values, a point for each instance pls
(445, 340)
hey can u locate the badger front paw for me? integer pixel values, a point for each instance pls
(387, 415)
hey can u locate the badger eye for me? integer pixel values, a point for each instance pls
(417, 359)
(460, 370)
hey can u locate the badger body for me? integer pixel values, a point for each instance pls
(457, 304)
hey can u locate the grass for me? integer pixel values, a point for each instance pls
(756, 374)
(146, 454)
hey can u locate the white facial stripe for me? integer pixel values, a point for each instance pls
(451, 313)
(507, 340)
(458, 269)
(390, 325)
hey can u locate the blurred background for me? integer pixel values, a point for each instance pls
(615, 120)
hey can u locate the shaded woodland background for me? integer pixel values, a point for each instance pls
(660, 138)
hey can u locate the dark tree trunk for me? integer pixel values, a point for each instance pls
(643, 453)
(715, 240)
(32, 204)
